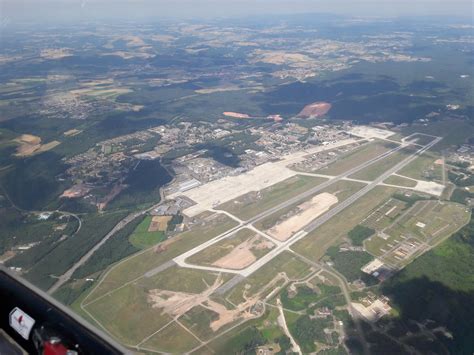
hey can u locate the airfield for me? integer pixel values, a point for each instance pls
(264, 232)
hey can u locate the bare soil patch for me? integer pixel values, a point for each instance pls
(159, 223)
(236, 115)
(30, 144)
(308, 211)
(242, 256)
(314, 110)
(75, 191)
(72, 132)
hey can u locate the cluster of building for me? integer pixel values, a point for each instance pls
(284, 139)
(372, 307)
(323, 55)
(318, 160)
(464, 154)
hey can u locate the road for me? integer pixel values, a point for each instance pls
(347, 297)
(68, 274)
(295, 348)
(181, 259)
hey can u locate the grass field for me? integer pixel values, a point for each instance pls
(348, 263)
(315, 244)
(285, 262)
(244, 338)
(400, 181)
(425, 222)
(180, 280)
(342, 189)
(198, 320)
(443, 276)
(143, 239)
(136, 265)
(251, 204)
(357, 157)
(172, 339)
(375, 170)
(306, 297)
(128, 315)
(424, 167)
(453, 131)
(385, 214)
(434, 218)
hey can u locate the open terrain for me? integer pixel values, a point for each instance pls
(221, 281)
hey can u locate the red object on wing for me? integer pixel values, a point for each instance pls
(54, 348)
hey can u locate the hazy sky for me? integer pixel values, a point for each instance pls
(50, 10)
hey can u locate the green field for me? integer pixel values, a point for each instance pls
(244, 338)
(443, 276)
(127, 313)
(285, 262)
(306, 296)
(373, 171)
(348, 263)
(172, 339)
(439, 219)
(142, 238)
(424, 168)
(400, 181)
(342, 189)
(198, 320)
(179, 279)
(136, 265)
(454, 131)
(359, 233)
(425, 222)
(307, 332)
(315, 244)
(253, 203)
(385, 214)
(357, 157)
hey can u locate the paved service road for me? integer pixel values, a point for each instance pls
(180, 260)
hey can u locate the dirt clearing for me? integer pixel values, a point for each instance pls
(178, 303)
(242, 256)
(314, 110)
(236, 115)
(72, 132)
(308, 211)
(30, 145)
(159, 223)
(371, 132)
